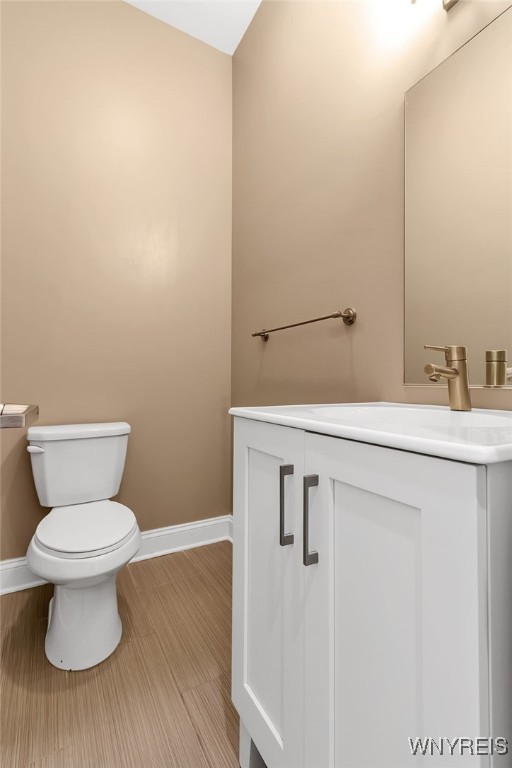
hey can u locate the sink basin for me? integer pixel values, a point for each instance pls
(407, 417)
(477, 436)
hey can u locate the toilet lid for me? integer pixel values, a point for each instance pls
(86, 530)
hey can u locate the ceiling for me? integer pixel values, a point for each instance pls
(220, 23)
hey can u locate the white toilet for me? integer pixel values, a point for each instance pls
(85, 539)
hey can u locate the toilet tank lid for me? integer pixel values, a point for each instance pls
(78, 431)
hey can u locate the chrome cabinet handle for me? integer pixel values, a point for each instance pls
(309, 558)
(284, 538)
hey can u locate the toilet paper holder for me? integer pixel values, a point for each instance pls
(13, 415)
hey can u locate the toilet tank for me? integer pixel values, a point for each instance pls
(77, 463)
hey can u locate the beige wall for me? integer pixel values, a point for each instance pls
(116, 250)
(319, 194)
(116, 227)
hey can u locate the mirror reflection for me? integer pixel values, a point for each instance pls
(458, 237)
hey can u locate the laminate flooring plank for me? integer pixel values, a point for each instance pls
(133, 610)
(151, 573)
(28, 605)
(215, 720)
(215, 561)
(127, 713)
(33, 712)
(181, 731)
(194, 629)
(60, 759)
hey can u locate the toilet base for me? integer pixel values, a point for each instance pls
(84, 626)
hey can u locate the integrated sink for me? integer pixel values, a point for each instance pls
(477, 436)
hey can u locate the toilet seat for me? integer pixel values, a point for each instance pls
(82, 531)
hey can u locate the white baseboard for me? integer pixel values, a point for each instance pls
(163, 541)
(15, 573)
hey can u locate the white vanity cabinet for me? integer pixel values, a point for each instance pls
(383, 635)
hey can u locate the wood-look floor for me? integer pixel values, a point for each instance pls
(162, 700)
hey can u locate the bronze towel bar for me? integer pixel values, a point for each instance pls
(348, 315)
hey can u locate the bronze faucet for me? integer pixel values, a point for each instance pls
(455, 372)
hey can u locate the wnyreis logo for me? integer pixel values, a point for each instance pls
(458, 746)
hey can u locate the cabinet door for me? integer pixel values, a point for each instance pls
(395, 633)
(268, 589)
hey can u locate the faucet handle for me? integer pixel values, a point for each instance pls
(452, 352)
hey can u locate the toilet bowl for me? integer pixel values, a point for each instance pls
(84, 541)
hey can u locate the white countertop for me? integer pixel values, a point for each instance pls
(478, 436)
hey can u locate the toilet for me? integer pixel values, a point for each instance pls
(84, 540)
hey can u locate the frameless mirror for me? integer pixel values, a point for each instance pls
(458, 205)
